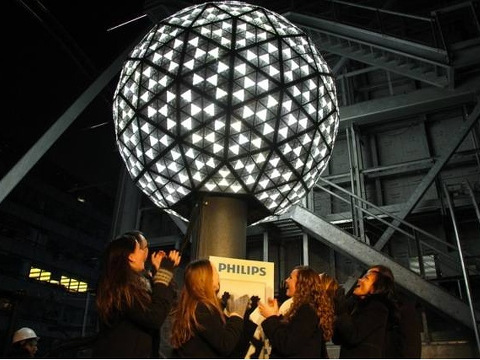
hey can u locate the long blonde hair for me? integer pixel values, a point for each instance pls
(197, 288)
(308, 290)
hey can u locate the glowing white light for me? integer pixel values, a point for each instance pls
(200, 108)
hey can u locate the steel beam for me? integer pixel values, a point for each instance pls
(462, 133)
(346, 244)
(466, 278)
(35, 153)
(127, 203)
(372, 37)
(411, 104)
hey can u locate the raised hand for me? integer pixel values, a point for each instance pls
(269, 309)
(166, 266)
(237, 306)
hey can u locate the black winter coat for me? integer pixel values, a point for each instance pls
(362, 332)
(214, 338)
(404, 336)
(135, 333)
(18, 352)
(301, 337)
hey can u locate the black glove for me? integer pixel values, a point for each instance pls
(167, 264)
(252, 306)
(224, 299)
(164, 273)
(238, 306)
(340, 302)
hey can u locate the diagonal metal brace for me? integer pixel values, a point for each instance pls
(430, 177)
(35, 153)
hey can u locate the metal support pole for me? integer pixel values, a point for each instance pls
(352, 184)
(389, 81)
(464, 269)
(223, 227)
(333, 266)
(305, 249)
(265, 246)
(376, 163)
(421, 266)
(85, 313)
(475, 142)
(474, 201)
(359, 183)
(426, 331)
(127, 203)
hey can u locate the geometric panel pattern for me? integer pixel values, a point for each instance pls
(226, 98)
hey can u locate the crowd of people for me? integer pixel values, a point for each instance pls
(133, 304)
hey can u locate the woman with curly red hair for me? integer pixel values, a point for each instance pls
(307, 325)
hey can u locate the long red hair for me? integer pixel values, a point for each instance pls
(309, 290)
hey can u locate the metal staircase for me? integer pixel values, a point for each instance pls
(300, 221)
(420, 62)
(350, 246)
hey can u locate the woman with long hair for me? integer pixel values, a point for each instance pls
(200, 328)
(308, 323)
(131, 310)
(329, 284)
(361, 324)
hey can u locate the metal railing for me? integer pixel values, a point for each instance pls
(419, 29)
(407, 229)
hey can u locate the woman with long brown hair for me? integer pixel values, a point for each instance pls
(306, 326)
(131, 311)
(200, 329)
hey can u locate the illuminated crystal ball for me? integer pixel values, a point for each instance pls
(225, 98)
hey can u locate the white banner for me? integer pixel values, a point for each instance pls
(240, 277)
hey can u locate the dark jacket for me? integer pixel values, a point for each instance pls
(301, 337)
(213, 338)
(134, 333)
(18, 352)
(403, 339)
(361, 332)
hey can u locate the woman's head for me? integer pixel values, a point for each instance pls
(378, 279)
(201, 279)
(304, 286)
(119, 285)
(118, 253)
(290, 282)
(201, 285)
(139, 256)
(301, 280)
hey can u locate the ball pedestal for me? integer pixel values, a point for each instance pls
(222, 228)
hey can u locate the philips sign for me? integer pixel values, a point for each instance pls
(241, 269)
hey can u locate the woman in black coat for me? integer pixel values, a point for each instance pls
(200, 328)
(306, 326)
(361, 326)
(132, 310)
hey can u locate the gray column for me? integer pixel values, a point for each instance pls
(222, 227)
(127, 205)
